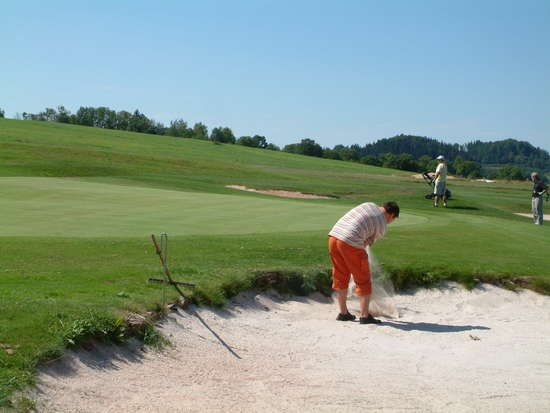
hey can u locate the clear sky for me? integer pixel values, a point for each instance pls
(335, 71)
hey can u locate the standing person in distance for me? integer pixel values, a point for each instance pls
(356, 230)
(539, 189)
(440, 178)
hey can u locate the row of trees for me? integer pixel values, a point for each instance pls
(510, 159)
(405, 162)
(106, 118)
(508, 151)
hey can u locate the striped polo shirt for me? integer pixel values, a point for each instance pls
(361, 226)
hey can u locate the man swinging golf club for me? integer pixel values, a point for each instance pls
(356, 230)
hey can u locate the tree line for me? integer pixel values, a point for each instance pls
(507, 159)
(485, 153)
(106, 118)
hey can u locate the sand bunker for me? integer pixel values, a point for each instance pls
(419, 176)
(449, 350)
(545, 218)
(276, 192)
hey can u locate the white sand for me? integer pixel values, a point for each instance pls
(450, 350)
(545, 217)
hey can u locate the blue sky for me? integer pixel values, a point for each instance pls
(335, 71)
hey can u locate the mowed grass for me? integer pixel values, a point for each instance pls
(60, 207)
(78, 207)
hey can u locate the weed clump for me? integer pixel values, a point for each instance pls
(301, 283)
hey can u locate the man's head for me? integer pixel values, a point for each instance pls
(440, 158)
(535, 176)
(391, 211)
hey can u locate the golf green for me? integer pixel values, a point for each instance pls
(64, 207)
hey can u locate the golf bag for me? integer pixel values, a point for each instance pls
(431, 181)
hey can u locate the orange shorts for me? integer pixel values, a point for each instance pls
(347, 261)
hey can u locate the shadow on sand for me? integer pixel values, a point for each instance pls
(430, 327)
(223, 343)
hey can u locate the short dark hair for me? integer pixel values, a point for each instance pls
(391, 208)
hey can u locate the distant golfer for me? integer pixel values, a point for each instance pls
(539, 189)
(440, 178)
(356, 230)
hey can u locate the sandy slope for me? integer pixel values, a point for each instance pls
(450, 350)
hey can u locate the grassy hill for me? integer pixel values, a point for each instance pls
(78, 206)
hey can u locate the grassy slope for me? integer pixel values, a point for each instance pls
(71, 245)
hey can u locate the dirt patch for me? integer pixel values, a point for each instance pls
(276, 192)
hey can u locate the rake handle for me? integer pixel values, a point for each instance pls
(159, 253)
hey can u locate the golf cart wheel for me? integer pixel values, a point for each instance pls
(429, 196)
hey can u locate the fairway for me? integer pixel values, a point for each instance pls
(63, 207)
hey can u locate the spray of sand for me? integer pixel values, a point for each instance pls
(381, 303)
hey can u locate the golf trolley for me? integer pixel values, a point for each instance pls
(431, 181)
